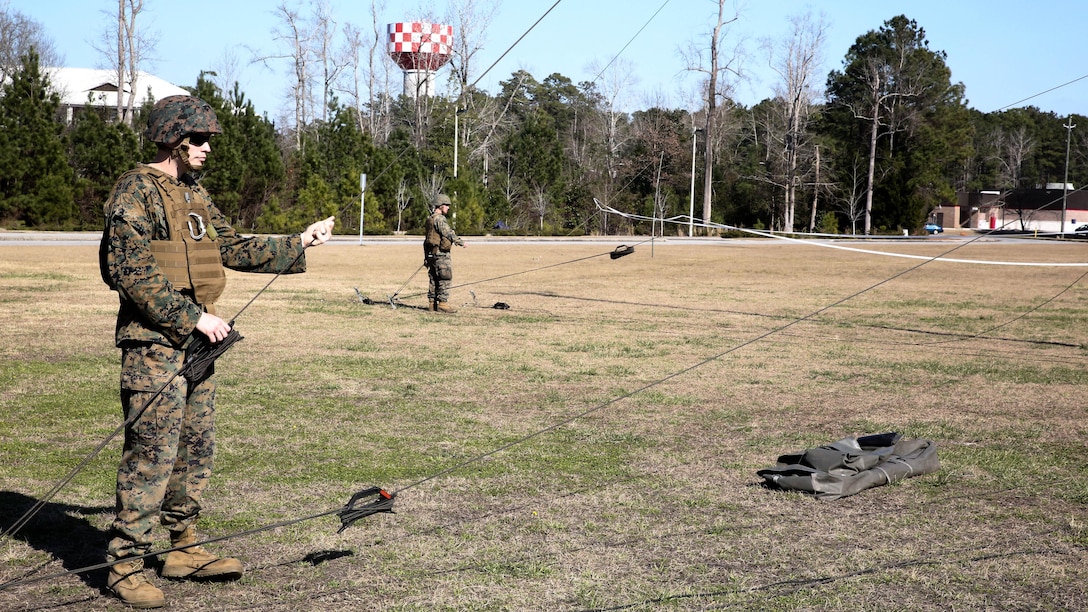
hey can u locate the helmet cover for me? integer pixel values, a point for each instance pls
(175, 117)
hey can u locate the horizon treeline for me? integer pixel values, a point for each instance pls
(875, 149)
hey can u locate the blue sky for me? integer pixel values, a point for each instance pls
(1003, 51)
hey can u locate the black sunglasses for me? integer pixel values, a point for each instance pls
(198, 140)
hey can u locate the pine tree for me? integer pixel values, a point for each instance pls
(245, 168)
(36, 180)
(895, 99)
(99, 152)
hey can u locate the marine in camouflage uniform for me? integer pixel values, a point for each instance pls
(163, 250)
(438, 239)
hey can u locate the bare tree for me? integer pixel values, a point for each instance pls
(470, 20)
(1012, 150)
(494, 123)
(226, 71)
(295, 37)
(18, 35)
(509, 186)
(718, 86)
(660, 199)
(539, 203)
(614, 83)
(381, 102)
(796, 60)
(403, 199)
(878, 80)
(852, 199)
(332, 62)
(353, 46)
(889, 81)
(432, 186)
(659, 133)
(125, 47)
(366, 78)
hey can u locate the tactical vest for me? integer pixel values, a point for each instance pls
(432, 240)
(190, 257)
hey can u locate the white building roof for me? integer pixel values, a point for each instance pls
(80, 86)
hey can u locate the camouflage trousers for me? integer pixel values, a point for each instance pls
(167, 456)
(440, 273)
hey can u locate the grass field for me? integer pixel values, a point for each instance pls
(594, 446)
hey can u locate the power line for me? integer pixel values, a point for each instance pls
(1055, 88)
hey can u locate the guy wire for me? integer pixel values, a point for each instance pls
(547, 429)
(89, 568)
(699, 364)
(555, 265)
(40, 503)
(22, 521)
(470, 87)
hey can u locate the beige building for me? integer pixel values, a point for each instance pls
(1019, 210)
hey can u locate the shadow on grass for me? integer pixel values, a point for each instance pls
(59, 530)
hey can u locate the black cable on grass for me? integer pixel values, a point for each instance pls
(953, 336)
(622, 249)
(199, 359)
(690, 368)
(672, 535)
(627, 542)
(539, 432)
(90, 568)
(982, 334)
(22, 521)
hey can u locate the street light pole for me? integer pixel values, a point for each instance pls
(456, 138)
(1065, 184)
(691, 202)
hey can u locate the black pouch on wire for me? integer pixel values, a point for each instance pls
(201, 354)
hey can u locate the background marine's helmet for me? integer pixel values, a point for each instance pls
(441, 200)
(175, 117)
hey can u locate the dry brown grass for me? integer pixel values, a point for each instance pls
(691, 370)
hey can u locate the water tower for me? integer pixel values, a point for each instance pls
(420, 49)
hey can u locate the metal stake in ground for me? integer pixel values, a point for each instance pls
(393, 298)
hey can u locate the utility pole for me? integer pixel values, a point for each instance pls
(691, 204)
(815, 195)
(456, 137)
(362, 204)
(1065, 185)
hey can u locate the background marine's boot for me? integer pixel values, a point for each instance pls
(128, 582)
(444, 307)
(195, 562)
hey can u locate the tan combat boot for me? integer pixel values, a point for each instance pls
(432, 306)
(195, 562)
(445, 307)
(128, 582)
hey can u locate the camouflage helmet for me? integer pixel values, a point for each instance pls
(441, 200)
(175, 117)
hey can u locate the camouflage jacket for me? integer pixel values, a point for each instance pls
(438, 236)
(152, 310)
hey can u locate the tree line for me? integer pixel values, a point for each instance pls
(874, 149)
